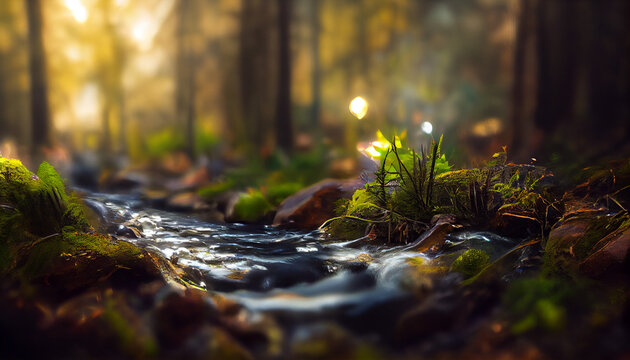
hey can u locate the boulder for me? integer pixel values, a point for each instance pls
(311, 207)
(609, 255)
(433, 239)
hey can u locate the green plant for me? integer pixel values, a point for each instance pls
(400, 200)
(251, 206)
(471, 262)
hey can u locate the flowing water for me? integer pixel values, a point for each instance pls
(300, 278)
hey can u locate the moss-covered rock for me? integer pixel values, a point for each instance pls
(250, 207)
(575, 239)
(471, 262)
(46, 239)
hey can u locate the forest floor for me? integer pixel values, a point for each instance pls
(498, 261)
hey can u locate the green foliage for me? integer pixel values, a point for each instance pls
(206, 141)
(251, 206)
(471, 262)
(409, 188)
(210, 192)
(277, 193)
(163, 142)
(402, 193)
(538, 303)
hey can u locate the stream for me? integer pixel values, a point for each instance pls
(302, 279)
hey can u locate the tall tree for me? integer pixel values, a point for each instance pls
(284, 125)
(257, 70)
(40, 114)
(187, 27)
(315, 24)
(571, 91)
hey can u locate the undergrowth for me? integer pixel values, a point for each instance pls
(410, 187)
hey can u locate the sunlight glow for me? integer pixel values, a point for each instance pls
(148, 22)
(142, 32)
(359, 107)
(427, 127)
(121, 3)
(372, 151)
(79, 12)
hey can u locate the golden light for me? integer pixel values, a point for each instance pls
(487, 127)
(373, 152)
(142, 32)
(358, 107)
(79, 12)
(374, 149)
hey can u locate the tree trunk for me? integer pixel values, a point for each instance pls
(316, 73)
(40, 125)
(186, 63)
(284, 125)
(571, 95)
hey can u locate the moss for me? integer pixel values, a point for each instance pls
(210, 192)
(129, 337)
(42, 257)
(51, 178)
(277, 193)
(564, 252)
(251, 206)
(471, 262)
(75, 215)
(599, 229)
(538, 303)
(346, 228)
(42, 201)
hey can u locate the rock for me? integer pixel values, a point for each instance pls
(610, 255)
(435, 314)
(180, 315)
(124, 181)
(186, 201)
(323, 340)
(193, 179)
(433, 239)
(175, 163)
(567, 233)
(155, 197)
(76, 261)
(311, 207)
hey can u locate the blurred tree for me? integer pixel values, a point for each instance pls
(571, 79)
(186, 62)
(257, 70)
(40, 125)
(284, 125)
(14, 68)
(315, 24)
